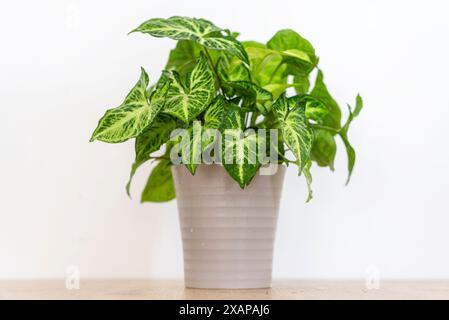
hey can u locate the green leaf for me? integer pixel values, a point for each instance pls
(295, 131)
(134, 114)
(240, 152)
(302, 84)
(159, 187)
(149, 141)
(214, 115)
(251, 90)
(186, 100)
(183, 57)
(316, 110)
(277, 89)
(333, 118)
(350, 152)
(265, 64)
(191, 148)
(297, 51)
(232, 69)
(324, 148)
(198, 30)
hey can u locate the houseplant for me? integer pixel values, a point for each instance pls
(215, 102)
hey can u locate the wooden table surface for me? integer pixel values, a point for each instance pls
(174, 289)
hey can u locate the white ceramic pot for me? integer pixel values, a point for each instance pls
(227, 233)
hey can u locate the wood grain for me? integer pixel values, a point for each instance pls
(174, 289)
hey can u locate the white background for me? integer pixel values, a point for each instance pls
(62, 63)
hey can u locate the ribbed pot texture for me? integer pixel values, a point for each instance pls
(227, 233)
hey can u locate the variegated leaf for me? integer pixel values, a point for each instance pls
(214, 115)
(249, 89)
(149, 141)
(186, 100)
(239, 155)
(308, 177)
(295, 131)
(191, 148)
(134, 114)
(199, 30)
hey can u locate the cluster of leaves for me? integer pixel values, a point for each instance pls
(223, 83)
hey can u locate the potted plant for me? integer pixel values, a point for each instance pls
(221, 114)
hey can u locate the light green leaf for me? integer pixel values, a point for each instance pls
(324, 148)
(240, 152)
(134, 114)
(333, 118)
(302, 84)
(159, 187)
(265, 64)
(277, 89)
(198, 30)
(186, 100)
(183, 57)
(297, 51)
(295, 131)
(149, 141)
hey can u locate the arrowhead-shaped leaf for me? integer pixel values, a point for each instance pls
(298, 53)
(239, 155)
(295, 131)
(159, 187)
(187, 99)
(134, 114)
(199, 30)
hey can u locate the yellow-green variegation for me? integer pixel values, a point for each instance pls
(134, 114)
(187, 98)
(239, 155)
(216, 99)
(199, 30)
(296, 133)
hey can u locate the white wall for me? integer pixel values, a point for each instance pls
(62, 199)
